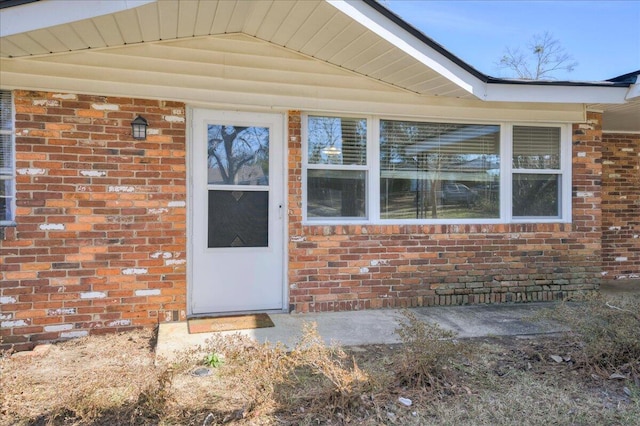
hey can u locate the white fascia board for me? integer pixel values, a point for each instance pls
(48, 13)
(397, 36)
(504, 92)
(634, 92)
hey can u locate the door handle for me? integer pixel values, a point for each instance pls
(279, 211)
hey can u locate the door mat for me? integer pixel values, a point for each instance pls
(236, 322)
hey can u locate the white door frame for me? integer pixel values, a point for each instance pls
(191, 228)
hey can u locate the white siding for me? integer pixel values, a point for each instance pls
(238, 71)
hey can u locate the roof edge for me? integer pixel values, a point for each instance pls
(425, 39)
(5, 4)
(621, 81)
(630, 78)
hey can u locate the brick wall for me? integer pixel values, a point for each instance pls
(621, 206)
(100, 242)
(361, 267)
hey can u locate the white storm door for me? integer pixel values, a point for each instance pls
(237, 212)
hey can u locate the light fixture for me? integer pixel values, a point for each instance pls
(331, 151)
(139, 128)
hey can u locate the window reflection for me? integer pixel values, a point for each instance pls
(439, 170)
(238, 155)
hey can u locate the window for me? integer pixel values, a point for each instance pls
(536, 178)
(336, 167)
(7, 173)
(377, 170)
(438, 170)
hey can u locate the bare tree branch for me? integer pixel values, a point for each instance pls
(544, 56)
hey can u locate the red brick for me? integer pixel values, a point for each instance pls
(45, 268)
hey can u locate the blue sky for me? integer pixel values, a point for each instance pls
(602, 36)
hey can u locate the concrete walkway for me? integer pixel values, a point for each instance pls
(376, 326)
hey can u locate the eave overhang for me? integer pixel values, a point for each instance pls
(360, 36)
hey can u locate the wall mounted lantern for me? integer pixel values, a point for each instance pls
(139, 128)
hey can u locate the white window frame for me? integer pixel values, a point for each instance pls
(506, 174)
(564, 171)
(365, 168)
(8, 174)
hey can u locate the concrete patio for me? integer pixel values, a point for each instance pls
(356, 328)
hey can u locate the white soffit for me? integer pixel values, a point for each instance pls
(620, 117)
(48, 13)
(312, 27)
(399, 38)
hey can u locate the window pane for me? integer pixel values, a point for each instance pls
(238, 155)
(536, 147)
(6, 155)
(336, 193)
(333, 140)
(7, 174)
(536, 195)
(5, 200)
(6, 121)
(438, 170)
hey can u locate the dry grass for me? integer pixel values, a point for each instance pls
(104, 377)
(427, 350)
(607, 331)
(113, 380)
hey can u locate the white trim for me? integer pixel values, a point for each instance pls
(44, 14)
(566, 162)
(373, 148)
(634, 92)
(277, 221)
(190, 141)
(506, 184)
(565, 171)
(620, 132)
(8, 174)
(500, 92)
(285, 210)
(400, 38)
(363, 168)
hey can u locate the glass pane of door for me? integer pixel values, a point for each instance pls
(238, 155)
(238, 186)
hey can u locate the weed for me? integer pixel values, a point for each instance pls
(343, 385)
(253, 369)
(154, 399)
(270, 377)
(213, 360)
(426, 350)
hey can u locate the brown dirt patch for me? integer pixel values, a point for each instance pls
(112, 380)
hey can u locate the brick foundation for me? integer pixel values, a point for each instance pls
(621, 206)
(362, 267)
(100, 242)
